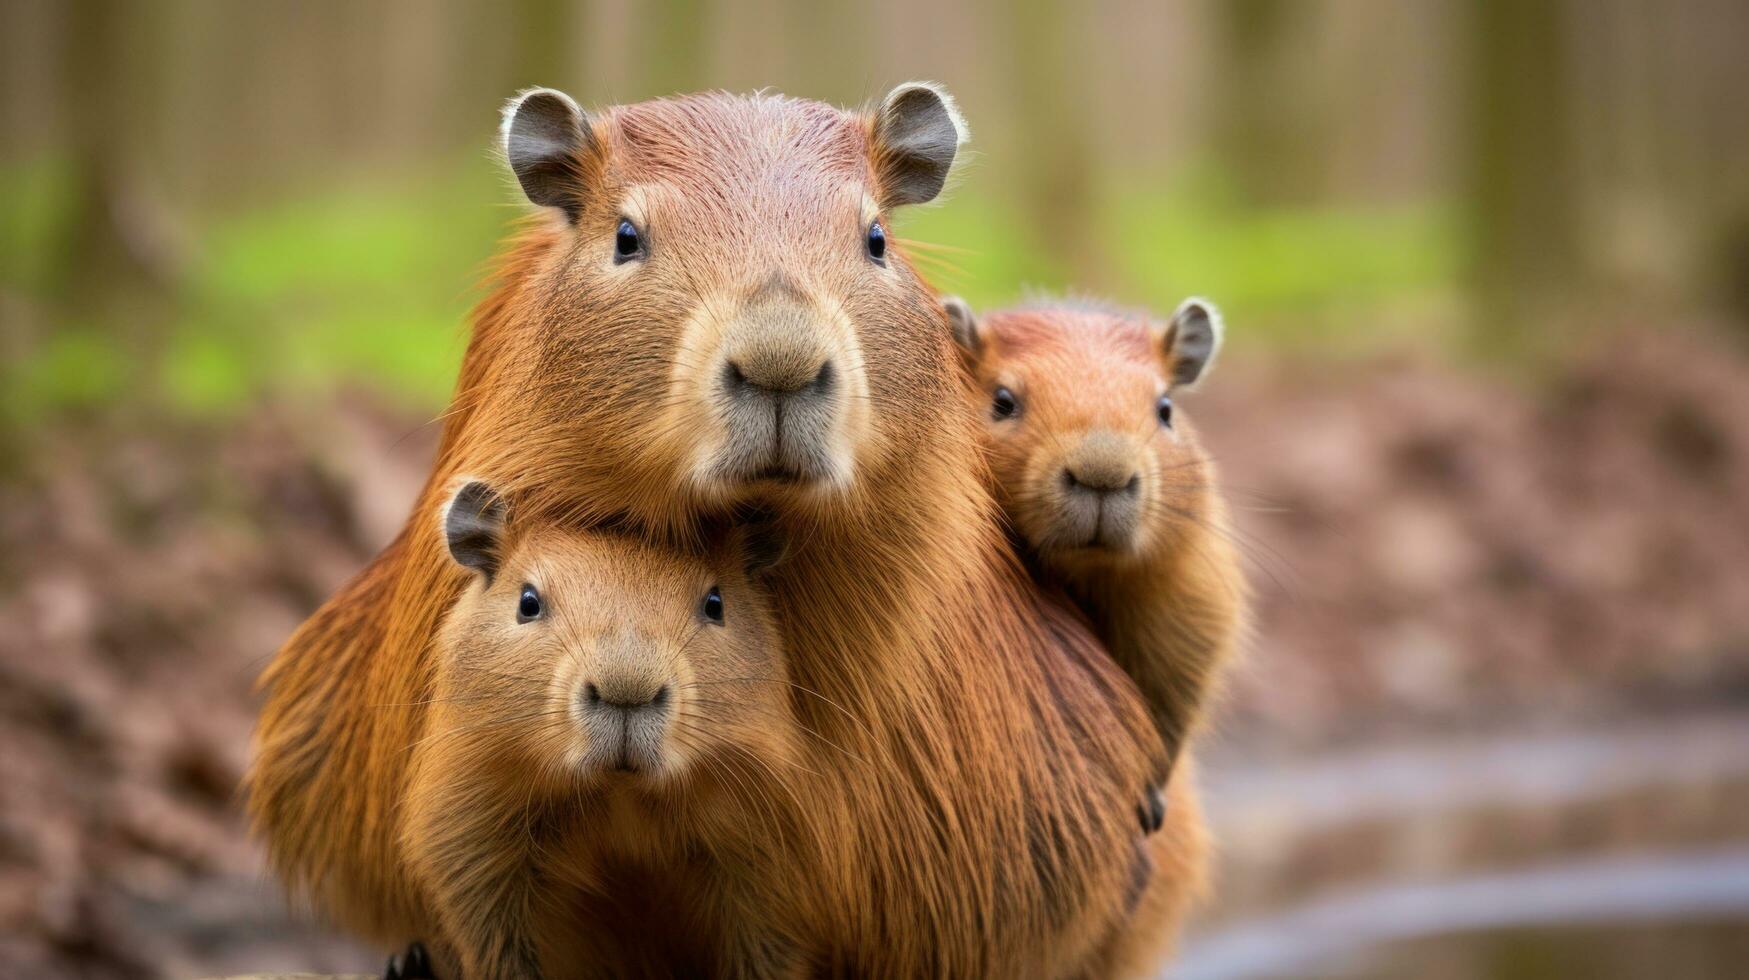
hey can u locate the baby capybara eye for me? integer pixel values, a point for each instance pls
(1163, 408)
(528, 605)
(627, 243)
(1003, 404)
(877, 243)
(713, 605)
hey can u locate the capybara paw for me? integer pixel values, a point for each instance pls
(413, 964)
(1151, 812)
(416, 964)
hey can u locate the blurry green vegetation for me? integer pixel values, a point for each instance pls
(366, 285)
(1289, 274)
(369, 284)
(203, 205)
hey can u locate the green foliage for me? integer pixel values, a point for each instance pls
(35, 206)
(364, 286)
(369, 285)
(77, 368)
(1176, 243)
(1306, 273)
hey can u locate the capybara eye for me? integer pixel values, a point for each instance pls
(1164, 409)
(528, 606)
(627, 243)
(877, 243)
(713, 605)
(1003, 404)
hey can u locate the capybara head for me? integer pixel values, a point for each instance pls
(596, 655)
(1092, 459)
(717, 305)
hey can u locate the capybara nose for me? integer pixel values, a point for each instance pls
(625, 697)
(777, 377)
(1103, 480)
(626, 717)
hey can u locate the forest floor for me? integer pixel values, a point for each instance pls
(1432, 550)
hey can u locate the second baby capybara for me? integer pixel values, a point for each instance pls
(608, 727)
(1103, 476)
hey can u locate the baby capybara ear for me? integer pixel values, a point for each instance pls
(963, 322)
(915, 136)
(1193, 338)
(473, 524)
(546, 137)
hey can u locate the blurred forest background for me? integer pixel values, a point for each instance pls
(1485, 418)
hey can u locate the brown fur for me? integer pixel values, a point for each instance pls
(1177, 864)
(517, 825)
(977, 752)
(1169, 599)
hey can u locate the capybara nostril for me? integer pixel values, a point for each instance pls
(661, 697)
(823, 379)
(591, 693)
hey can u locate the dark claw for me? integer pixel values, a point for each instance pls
(415, 964)
(1151, 812)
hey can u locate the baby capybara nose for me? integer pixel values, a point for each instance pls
(1102, 479)
(777, 377)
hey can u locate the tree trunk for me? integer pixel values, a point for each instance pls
(1523, 198)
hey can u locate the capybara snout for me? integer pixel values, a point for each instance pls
(624, 705)
(625, 716)
(777, 345)
(780, 397)
(1100, 497)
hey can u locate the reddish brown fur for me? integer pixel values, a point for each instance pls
(978, 754)
(1169, 601)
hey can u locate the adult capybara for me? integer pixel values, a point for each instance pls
(608, 723)
(713, 312)
(1103, 476)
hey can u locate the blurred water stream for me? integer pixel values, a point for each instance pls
(1575, 854)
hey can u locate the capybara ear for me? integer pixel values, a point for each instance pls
(1193, 338)
(473, 524)
(917, 132)
(546, 138)
(760, 540)
(963, 322)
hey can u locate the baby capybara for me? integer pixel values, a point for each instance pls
(1103, 477)
(607, 728)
